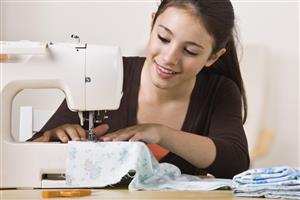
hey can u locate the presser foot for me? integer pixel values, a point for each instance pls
(91, 136)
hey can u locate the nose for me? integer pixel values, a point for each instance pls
(171, 55)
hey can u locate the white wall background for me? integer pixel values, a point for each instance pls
(272, 24)
(276, 25)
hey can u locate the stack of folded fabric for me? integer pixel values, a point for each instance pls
(276, 182)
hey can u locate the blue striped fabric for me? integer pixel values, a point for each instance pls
(273, 182)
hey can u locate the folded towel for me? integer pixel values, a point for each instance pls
(274, 182)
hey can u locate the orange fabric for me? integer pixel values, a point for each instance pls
(158, 151)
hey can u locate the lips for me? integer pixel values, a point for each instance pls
(164, 72)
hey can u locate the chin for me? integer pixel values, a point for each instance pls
(162, 83)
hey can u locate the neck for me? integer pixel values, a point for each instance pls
(151, 92)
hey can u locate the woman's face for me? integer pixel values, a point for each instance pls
(179, 47)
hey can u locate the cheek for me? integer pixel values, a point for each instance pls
(193, 67)
(153, 47)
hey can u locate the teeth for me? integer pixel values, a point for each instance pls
(166, 70)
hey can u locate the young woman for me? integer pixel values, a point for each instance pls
(185, 99)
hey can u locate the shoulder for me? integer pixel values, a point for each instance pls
(228, 90)
(132, 70)
(133, 63)
(132, 66)
(219, 84)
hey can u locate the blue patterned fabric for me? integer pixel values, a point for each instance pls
(276, 182)
(99, 164)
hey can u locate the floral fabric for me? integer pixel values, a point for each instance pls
(99, 164)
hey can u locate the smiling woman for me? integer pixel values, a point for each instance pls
(185, 98)
(178, 55)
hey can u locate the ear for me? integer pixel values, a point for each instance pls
(214, 57)
(153, 15)
(152, 18)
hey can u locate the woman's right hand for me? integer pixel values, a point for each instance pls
(64, 133)
(67, 132)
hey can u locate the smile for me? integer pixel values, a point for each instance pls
(164, 72)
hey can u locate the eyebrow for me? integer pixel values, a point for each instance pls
(188, 42)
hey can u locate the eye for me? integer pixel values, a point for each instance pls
(190, 52)
(164, 40)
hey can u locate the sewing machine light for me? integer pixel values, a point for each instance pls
(23, 47)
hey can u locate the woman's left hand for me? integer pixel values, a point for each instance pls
(149, 133)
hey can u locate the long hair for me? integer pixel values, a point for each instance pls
(219, 20)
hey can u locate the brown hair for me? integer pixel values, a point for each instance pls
(218, 18)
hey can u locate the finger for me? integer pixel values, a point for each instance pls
(112, 136)
(81, 132)
(123, 137)
(46, 136)
(136, 137)
(62, 136)
(72, 133)
(109, 136)
(101, 130)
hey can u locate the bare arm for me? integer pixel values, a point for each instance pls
(198, 150)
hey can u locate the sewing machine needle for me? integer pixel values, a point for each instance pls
(91, 134)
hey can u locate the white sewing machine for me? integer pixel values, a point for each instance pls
(91, 77)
